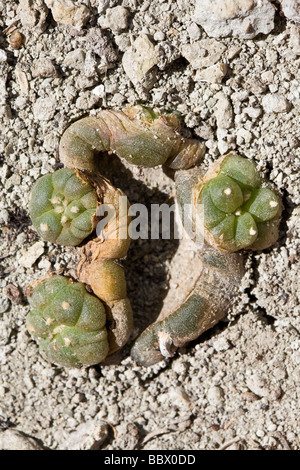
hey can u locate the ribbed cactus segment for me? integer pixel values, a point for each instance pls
(239, 211)
(139, 135)
(62, 207)
(68, 323)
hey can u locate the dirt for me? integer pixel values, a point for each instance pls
(238, 385)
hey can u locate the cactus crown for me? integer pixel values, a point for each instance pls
(62, 207)
(239, 212)
(68, 322)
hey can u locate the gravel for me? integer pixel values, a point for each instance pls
(236, 387)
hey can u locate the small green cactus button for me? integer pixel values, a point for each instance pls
(62, 207)
(240, 211)
(68, 323)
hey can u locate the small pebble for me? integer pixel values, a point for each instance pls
(44, 108)
(267, 77)
(66, 12)
(44, 68)
(31, 255)
(4, 305)
(275, 103)
(194, 31)
(213, 74)
(117, 18)
(215, 396)
(3, 56)
(223, 111)
(139, 62)
(241, 19)
(159, 36)
(75, 59)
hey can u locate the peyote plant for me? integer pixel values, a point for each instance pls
(109, 307)
(68, 322)
(63, 207)
(75, 328)
(239, 210)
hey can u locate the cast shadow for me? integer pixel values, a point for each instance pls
(146, 262)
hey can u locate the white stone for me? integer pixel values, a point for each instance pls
(4, 305)
(33, 14)
(75, 59)
(43, 67)
(221, 344)
(267, 76)
(44, 108)
(159, 36)
(243, 136)
(203, 53)
(275, 103)
(31, 255)
(11, 439)
(194, 31)
(291, 9)
(117, 18)
(44, 264)
(273, 87)
(3, 56)
(213, 74)
(88, 436)
(215, 396)
(68, 13)
(139, 62)
(223, 146)
(14, 180)
(223, 111)
(252, 112)
(99, 91)
(244, 19)
(4, 216)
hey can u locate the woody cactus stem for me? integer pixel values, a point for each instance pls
(139, 135)
(217, 283)
(106, 278)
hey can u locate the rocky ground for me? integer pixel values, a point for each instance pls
(233, 73)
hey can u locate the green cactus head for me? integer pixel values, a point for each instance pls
(240, 211)
(68, 323)
(62, 207)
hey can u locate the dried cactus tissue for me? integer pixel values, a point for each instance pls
(150, 222)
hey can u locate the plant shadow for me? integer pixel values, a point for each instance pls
(146, 262)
